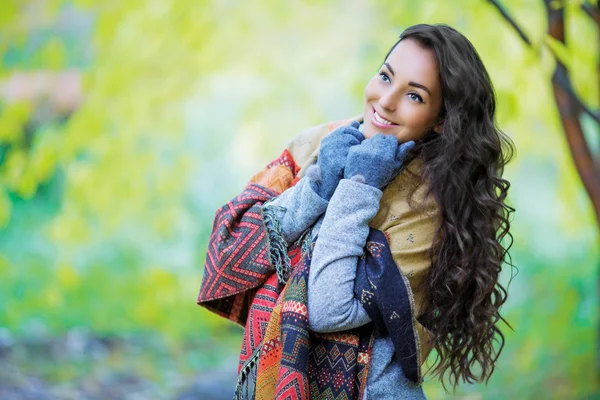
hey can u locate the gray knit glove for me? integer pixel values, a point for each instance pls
(329, 169)
(377, 160)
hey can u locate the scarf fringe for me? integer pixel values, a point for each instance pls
(277, 244)
(246, 384)
(305, 241)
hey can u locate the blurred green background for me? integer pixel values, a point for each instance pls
(124, 125)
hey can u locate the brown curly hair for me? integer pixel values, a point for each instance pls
(463, 167)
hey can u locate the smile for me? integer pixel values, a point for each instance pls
(381, 122)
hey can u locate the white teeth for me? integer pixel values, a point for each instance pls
(379, 119)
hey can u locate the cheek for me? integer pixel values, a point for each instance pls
(418, 117)
(416, 121)
(371, 91)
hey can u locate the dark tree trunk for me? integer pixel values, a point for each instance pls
(570, 106)
(570, 114)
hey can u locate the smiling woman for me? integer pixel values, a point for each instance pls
(373, 240)
(405, 97)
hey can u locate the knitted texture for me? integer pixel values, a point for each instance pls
(332, 158)
(379, 159)
(296, 209)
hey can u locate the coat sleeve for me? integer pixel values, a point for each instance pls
(342, 237)
(296, 210)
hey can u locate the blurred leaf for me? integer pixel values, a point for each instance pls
(13, 117)
(53, 54)
(5, 209)
(561, 51)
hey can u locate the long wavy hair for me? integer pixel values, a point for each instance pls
(463, 167)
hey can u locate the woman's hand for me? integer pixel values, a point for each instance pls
(378, 160)
(332, 158)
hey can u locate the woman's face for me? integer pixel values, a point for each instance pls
(404, 98)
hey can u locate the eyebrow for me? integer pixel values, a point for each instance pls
(418, 85)
(411, 83)
(390, 68)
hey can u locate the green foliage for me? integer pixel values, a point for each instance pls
(105, 212)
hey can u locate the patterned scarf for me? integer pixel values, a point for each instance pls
(253, 279)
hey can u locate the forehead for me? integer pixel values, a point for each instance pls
(413, 62)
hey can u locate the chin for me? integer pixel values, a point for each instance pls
(371, 131)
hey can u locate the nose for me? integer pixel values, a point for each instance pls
(389, 100)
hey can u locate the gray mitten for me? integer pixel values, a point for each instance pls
(377, 160)
(329, 169)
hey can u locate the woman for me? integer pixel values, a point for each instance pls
(422, 169)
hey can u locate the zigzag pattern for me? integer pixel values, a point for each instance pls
(291, 385)
(278, 178)
(327, 394)
(334, 358)
(320, 366)
(334, 370)
(258, 318)
(239, 232)
(279, 174)
(340, 337)
(286, 160)
(238, 256)
(239, 283)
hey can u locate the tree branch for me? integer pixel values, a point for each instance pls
(511, 21)
(570, 110)
(565, 84)
(594, 13)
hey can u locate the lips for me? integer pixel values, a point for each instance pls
(381, 122)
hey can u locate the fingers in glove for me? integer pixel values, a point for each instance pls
(403, 150)
(385, 146)
(352, 130)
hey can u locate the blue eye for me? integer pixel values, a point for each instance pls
(384, 77)
(415, 97)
